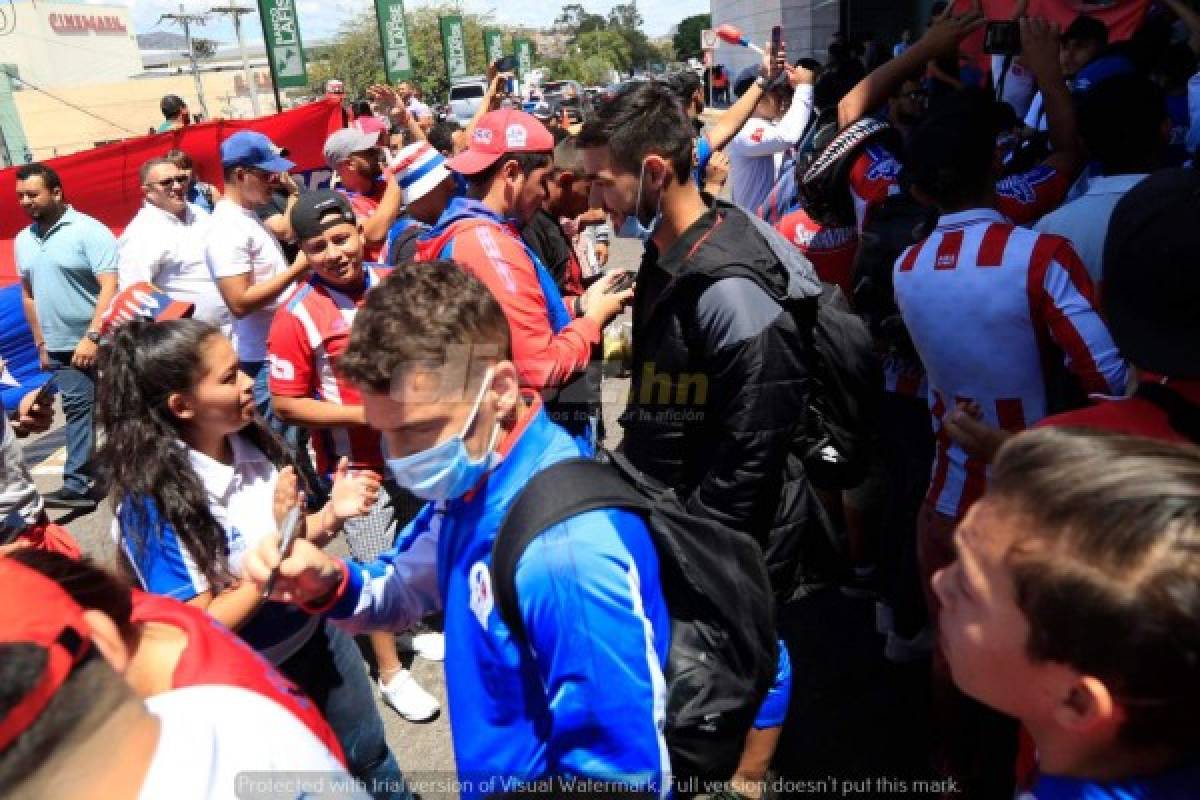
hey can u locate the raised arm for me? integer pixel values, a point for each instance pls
(872, 91)
(1039, 49)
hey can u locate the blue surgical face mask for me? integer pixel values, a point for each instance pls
(632, 227)
(446, 471)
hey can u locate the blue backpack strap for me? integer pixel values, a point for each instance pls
(556, 310)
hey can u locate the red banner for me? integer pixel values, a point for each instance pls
(1121, 16)
(103, 182)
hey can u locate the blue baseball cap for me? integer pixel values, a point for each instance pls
(253, 149)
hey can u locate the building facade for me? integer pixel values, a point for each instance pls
(68, 44)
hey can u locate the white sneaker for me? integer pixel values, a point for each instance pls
(430, 646)
(408, 699)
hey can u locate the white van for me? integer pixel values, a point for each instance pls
(465, 96)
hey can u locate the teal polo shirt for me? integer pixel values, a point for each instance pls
(61, 265)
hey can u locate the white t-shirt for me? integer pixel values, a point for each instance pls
(167, 251)
(754, 153)
(223, 742)
(1019, 85)
(240, 498)
(237, 244)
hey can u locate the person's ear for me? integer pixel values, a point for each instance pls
(565, 180)
(506, 384)
(108, 640)
(181, 405)
(1088, 708)
(658, 171)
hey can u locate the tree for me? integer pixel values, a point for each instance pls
(577, 20)
(356, 58)
(607, 46)
(687, 36)
(625, 16)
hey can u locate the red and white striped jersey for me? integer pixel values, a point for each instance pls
(310, 330)
(990, 307)
(1023, 198)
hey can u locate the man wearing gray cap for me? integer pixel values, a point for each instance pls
(355, 156)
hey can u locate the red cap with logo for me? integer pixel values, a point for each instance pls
(498, 132)
(35, 610)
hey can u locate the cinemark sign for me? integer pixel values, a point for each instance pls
(82, 23)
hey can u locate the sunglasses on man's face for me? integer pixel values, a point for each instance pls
(167, 183)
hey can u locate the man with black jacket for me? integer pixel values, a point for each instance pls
(720, 338)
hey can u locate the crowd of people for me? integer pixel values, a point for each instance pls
(925, 333)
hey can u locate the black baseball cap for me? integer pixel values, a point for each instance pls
(1151, 287)
(317, 211)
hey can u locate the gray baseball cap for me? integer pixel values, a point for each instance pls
(341, 144)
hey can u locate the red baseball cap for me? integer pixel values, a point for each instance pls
(498, 132)
(35, 610)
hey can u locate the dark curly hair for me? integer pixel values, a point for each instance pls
(420, 315)
(142, 461)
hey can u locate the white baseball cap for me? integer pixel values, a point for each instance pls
(419, 168)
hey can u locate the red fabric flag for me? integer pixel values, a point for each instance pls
(103, 182)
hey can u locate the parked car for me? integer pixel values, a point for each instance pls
(465, 96)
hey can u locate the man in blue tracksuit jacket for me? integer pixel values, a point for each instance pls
(585, 698)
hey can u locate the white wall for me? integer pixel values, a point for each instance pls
(49, 58)
(806, 30)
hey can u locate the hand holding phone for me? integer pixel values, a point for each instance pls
(621, 282)
(1002, 38)
(775, 51)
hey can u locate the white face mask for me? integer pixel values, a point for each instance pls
(632, 227)
(446, 470)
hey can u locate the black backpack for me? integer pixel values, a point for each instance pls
(895, 224)
(845, 394)
(846, 383)
(724, 646)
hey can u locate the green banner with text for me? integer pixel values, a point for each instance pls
(393, 36)
(454, 46)
(524, 54)
(493, 46)
(281, 33)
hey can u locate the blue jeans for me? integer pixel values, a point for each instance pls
(78, 389)
(330, 670)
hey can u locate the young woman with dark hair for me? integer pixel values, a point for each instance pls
(194, 476)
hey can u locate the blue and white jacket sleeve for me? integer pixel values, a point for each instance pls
(398, 589)
(597, 623)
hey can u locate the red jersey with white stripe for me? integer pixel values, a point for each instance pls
(310, 330)
(216, 657)
(831, 250)
(1023, 198)
(991, 307)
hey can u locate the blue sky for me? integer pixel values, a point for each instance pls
(320, 18)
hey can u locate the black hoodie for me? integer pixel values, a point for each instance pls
(720, 385)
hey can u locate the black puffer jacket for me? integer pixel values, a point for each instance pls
(720, 387)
